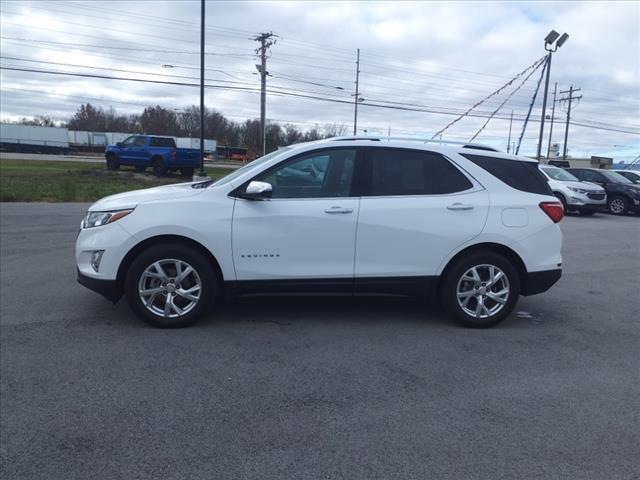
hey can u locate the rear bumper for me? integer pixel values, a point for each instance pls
(107, 288)
(538, 282)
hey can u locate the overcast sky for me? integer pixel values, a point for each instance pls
(435, 56)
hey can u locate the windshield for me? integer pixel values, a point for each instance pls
(232, 176)
(615, 177)
(559, 174)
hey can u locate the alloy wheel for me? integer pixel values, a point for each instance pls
(616, 206)
(482, 291)
(169, 288)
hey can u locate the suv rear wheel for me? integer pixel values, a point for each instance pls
(481, 289)
(170, 286)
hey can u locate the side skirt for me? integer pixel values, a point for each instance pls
(422, 286)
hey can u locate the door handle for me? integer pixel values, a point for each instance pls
(338, 210)
(459, 206)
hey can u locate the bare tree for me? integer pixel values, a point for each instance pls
(159, 120)
(334, 130)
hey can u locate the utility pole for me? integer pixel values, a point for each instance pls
(553, 112)
(266, 40)
(202, 172)
(357, 95)
(510, 125)
(571, 98)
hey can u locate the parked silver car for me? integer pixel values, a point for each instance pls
(584, 197)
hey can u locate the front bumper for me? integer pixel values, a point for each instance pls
(107, 288)
(539, 282)
(592, 201)
(591, 208)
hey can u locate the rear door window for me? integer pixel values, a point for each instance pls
(589, 176)
(163, 142)
(392, 171)
(523, 176)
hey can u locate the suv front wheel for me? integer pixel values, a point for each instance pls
(170, 286)
(481, 289)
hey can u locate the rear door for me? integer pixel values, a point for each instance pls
(416, 207)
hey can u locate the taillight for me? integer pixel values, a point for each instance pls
(554, 210)
(173, 155)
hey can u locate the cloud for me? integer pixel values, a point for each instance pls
(441, 55)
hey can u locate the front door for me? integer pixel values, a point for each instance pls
(125, 151)
(137, 153)
(306, 231)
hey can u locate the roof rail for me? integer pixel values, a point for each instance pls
(476, 146)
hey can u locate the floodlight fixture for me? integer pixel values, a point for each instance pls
(551, 37)
(562, 39)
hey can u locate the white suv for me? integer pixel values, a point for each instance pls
(584, 197)
(475, 227)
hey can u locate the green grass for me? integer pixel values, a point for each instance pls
(53, 181)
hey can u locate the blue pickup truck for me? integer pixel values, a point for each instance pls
(159, 153)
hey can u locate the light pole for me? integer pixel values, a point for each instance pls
(202, 172)
(552, 38)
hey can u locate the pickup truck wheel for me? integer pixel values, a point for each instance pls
(186, 172)
(480, 290)
(112, 162)
(140, 168)
(170, 286)
(159, 168)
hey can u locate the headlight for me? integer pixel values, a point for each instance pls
(96, 219)
(578, 190)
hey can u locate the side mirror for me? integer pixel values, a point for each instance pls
(119, 144)
(257, 191)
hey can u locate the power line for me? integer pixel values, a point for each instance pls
(281, 93)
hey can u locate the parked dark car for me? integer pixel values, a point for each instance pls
(633, 175)
(159, 153)
(622, 194)
(559, 163)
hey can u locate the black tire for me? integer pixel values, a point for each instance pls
(112, 162)
(186, 172)
(563, 200)
(159, 168)
(454, 274)
(140, 168)
(203, 269)
(618, 205)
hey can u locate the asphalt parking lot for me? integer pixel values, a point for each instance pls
(283, 388)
